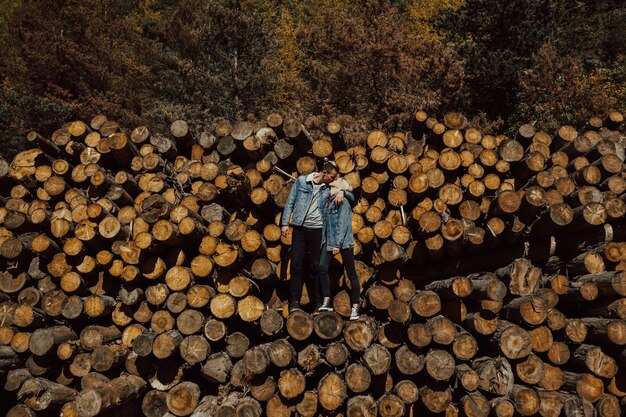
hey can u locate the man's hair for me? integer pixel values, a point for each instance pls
(329, 166)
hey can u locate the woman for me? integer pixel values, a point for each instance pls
(337, 237)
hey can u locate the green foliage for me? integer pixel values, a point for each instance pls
(497, 40)
(206, 62)
(21, 112)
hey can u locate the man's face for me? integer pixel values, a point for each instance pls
(329, 176)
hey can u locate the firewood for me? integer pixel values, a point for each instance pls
(426, 303)
(586, 385)
(111, 394)
(331, 391)
(362, 405)
(608, 405)
(442, 329)
(377, 359)
(217, 367)
(183, 398)
(154, 403)
(389, 405)
(300, 325)
(466, 242)
(103, 358)
(526, 400)
(359, 335)
(440, 365)
(435, 400)
(43, 341)
(465, 346)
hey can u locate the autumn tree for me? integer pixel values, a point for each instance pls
(77, 53)
(286, 87)
(366, 63)
(556, 90)
(422, 12)
(21, 110)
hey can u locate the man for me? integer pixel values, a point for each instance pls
(304, 210)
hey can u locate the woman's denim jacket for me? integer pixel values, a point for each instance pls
(299, 200)
(337, 232)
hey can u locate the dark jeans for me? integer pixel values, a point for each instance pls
(304, 241)
(348, 263)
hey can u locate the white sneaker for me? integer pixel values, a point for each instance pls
(326, 305)
(354, 314)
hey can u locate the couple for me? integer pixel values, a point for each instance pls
(322, 227)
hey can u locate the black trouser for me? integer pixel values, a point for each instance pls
(304, 240)
(347, 255)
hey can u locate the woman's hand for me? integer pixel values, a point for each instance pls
(339, 197)
(335, 251)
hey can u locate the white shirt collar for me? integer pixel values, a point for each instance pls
(309, 178)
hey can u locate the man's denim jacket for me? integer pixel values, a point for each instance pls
(299, 200)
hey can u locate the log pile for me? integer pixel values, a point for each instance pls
(144, 273)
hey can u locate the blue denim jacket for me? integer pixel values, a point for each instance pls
(299, 200)
(337, 232)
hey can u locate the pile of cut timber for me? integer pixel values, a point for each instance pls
(144, 273)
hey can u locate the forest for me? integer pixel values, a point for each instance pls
(366, 63)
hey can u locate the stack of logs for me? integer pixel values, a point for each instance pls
(144, 273)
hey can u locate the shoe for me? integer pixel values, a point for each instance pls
(354, 314)
(295, 306)
(316, 309)
(326, 306)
